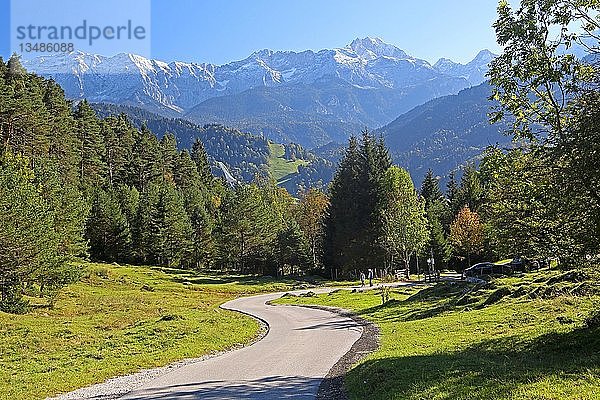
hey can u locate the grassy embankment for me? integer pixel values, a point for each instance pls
(516, 338)
(279, 166)
(118, 320)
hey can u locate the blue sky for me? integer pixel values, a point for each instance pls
(226, 30)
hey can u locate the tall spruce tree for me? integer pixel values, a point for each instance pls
(352, 224)
(438, 213)
(175, 229)
(200, 157)
(146, 229)
(168, 156)
(145, 163)
(292, 249)
(25, 126)
(197, 200)
(430, 189)
(341, 246)
(470, 192)
(63, 144)
(66, 201)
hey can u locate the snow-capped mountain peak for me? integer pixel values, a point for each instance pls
(371, 48)
(367, 63)
(474, 71)
(484, 57)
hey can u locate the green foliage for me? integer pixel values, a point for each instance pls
(146, 227)
(108, 230)
(544, 199)
(578, 177)
(530, 210)
(470, 191)
(452, 189)
(534, 78)
(310, 214)
(175, 229)
(405, 230)
(29, 243)
(438, 212)
(430, 189)
(92, 150)
(438, 246)
(195, 182)
(292, 249)
(244, 154)
(252, 217)
(69, 208)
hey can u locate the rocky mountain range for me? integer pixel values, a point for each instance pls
(308, 97)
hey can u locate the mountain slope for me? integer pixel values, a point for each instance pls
(444, 133)
(318, 113)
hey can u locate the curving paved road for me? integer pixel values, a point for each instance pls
(288, 363)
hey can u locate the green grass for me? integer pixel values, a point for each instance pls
(517, 338)
(118, 320)
(279, 167)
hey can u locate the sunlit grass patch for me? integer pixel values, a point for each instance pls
(516, 338)
(120, 319)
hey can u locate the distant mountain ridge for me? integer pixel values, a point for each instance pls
(442, 134)
(308, 97)
(474, 71)
(445, 133)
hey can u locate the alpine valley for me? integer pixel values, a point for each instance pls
(313, 99)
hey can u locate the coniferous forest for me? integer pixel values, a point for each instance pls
(75, 186)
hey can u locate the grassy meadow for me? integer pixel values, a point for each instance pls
(516, 338)
(279, 166)
(118, 320)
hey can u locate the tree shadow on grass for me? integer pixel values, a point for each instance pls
(200, 278)
(491, 369)
(426, 303)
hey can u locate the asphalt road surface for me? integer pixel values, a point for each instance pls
(290, 362)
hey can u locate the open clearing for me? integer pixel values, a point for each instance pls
(517, 338)
(118, 320)
(279, 166)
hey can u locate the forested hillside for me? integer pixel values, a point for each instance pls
(445, 133)
(244, 154)
(73, 185)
